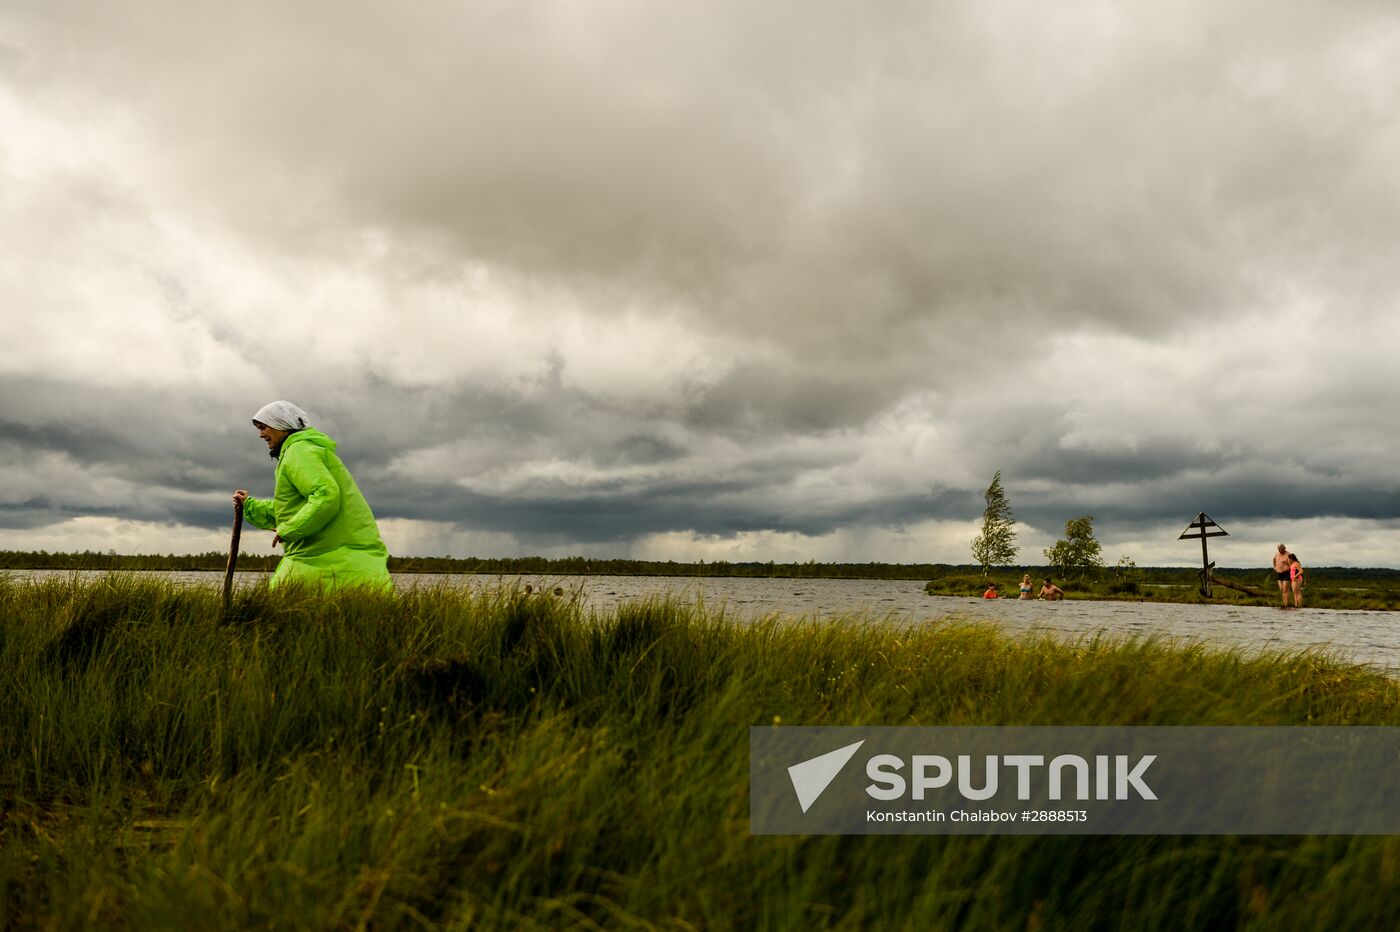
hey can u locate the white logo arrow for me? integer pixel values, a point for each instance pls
(811, 777)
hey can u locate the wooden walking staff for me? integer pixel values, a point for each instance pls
(233, 553)
(1202, 526)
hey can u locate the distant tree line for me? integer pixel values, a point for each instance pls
(503, 566)
(111, 560)
(579, 566)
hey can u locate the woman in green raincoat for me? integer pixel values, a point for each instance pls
(326, 529)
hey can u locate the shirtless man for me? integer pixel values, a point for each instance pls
(1283, 573)
(1051, 591)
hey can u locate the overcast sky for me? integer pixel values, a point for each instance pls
(707, 280)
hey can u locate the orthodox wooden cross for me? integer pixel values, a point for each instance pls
(1201, 528)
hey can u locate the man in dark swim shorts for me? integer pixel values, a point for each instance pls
(1282, 573)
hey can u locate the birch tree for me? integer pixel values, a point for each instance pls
(996, 545)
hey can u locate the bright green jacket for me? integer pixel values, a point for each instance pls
(329, 537)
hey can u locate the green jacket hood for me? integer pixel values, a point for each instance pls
(308, 435)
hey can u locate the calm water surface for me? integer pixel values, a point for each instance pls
(1365, 637)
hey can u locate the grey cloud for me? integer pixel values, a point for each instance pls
(855, 170)
(760, 399)
(643, 449)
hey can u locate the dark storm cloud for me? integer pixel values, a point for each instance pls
(623, 512)
(764, 397)
(71, 449)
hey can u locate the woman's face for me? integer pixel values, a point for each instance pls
(272, 436)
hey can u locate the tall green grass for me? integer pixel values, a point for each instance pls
(451, 759)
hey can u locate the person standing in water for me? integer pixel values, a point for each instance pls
(1026, 586)
(1282, 573)
(1295, 578)
(328, 534)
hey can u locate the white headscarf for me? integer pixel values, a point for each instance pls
(282, 415)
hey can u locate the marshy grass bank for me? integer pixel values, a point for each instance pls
(1327, 587)
(453, 759)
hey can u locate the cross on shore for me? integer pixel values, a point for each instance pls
(1202, 528)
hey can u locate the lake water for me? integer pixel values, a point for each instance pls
(1364, 637)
